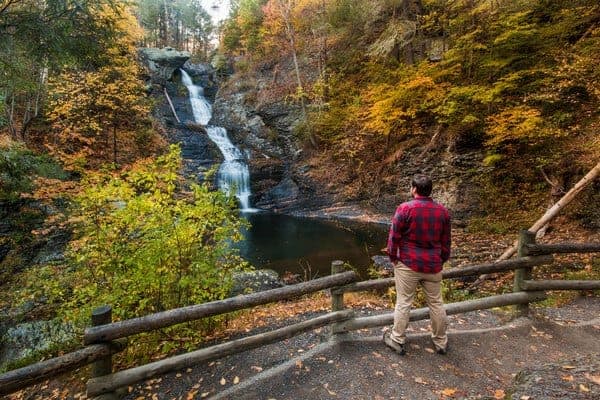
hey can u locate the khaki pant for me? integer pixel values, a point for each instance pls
(406, 285)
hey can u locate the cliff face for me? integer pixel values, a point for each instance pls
(290, 174)
(265, 131)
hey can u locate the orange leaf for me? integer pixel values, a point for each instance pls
(190, 395)
(449, 392)
(499, 394)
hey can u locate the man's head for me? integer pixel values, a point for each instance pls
(422, 184)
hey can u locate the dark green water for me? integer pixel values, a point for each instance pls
(307, 246)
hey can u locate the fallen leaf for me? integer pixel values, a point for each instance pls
(376, 354)
(525, 397)
(299, 364)
(418, 379)
(593, 378)
(223, 381)
(190, 395)
(236, 380)
(429, 350)
(256, 368)
(568, 367)
(331, 392)
(499, 394)
(378, 373)
(583, 388)
(568, 378)
(205, 394)
(449, 392)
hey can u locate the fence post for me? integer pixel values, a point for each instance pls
(101, 316)
(337, 299)
(525, 237)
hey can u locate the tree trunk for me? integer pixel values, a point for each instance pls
(556, 208)
(550, 214)
(115, 144)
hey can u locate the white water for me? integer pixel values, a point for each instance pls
(233, 176)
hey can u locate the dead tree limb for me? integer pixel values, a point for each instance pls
(550, 214)
(171, 104)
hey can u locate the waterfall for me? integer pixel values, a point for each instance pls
(233, 176)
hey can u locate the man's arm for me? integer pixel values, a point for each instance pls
(395, 236)
(446, 238)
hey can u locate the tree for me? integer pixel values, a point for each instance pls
(93, 112)
(36, 37)
(182, 24)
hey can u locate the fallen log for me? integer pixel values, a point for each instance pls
(550, 214)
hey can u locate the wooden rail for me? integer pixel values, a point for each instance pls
(163, 319)
(561, 248)
(101, 345)
(109, 383)
(451, 308)
(501, 266)
(14, 380)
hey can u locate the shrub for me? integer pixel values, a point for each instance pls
(143, 245)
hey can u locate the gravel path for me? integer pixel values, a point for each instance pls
(556, 353)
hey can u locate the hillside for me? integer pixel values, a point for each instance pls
(498, 100)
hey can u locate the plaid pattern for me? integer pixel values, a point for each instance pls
(420, 235)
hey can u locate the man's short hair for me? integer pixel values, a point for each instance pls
(422, 183)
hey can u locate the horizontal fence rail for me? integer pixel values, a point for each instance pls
(501, 266)
(14, 380)
(163, 319)
(101, 343)
(560, 285)
(451, 308)
(109, 383)
(561, 248)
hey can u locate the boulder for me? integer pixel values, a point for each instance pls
(255, 281)
(31, 338)
(163, 62)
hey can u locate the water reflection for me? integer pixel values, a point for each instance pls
(308, 245)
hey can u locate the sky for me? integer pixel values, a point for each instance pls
(218, 9)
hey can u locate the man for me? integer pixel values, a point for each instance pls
(418, 246)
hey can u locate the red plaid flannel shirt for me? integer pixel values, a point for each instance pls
(420, 235)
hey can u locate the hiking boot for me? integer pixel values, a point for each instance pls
(389, 342)
(441, 351)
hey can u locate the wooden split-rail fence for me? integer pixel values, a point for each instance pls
(105, 338)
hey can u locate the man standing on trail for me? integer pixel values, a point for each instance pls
(418, 245)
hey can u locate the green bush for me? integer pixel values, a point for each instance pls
(142, 245)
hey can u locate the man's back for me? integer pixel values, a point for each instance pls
(420, 235)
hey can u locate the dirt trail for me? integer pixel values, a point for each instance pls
(486, 355)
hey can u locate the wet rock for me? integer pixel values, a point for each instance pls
(27, 339)
(162, 63)
(285, 192)
(383, 264)
(255, 281)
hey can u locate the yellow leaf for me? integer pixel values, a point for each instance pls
(593, 378)
(568, 367)
(449, 392)
(583, 388)
(568, 378)
(223, 381)
(236, 380)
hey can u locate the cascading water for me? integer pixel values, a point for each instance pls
(233, 176)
